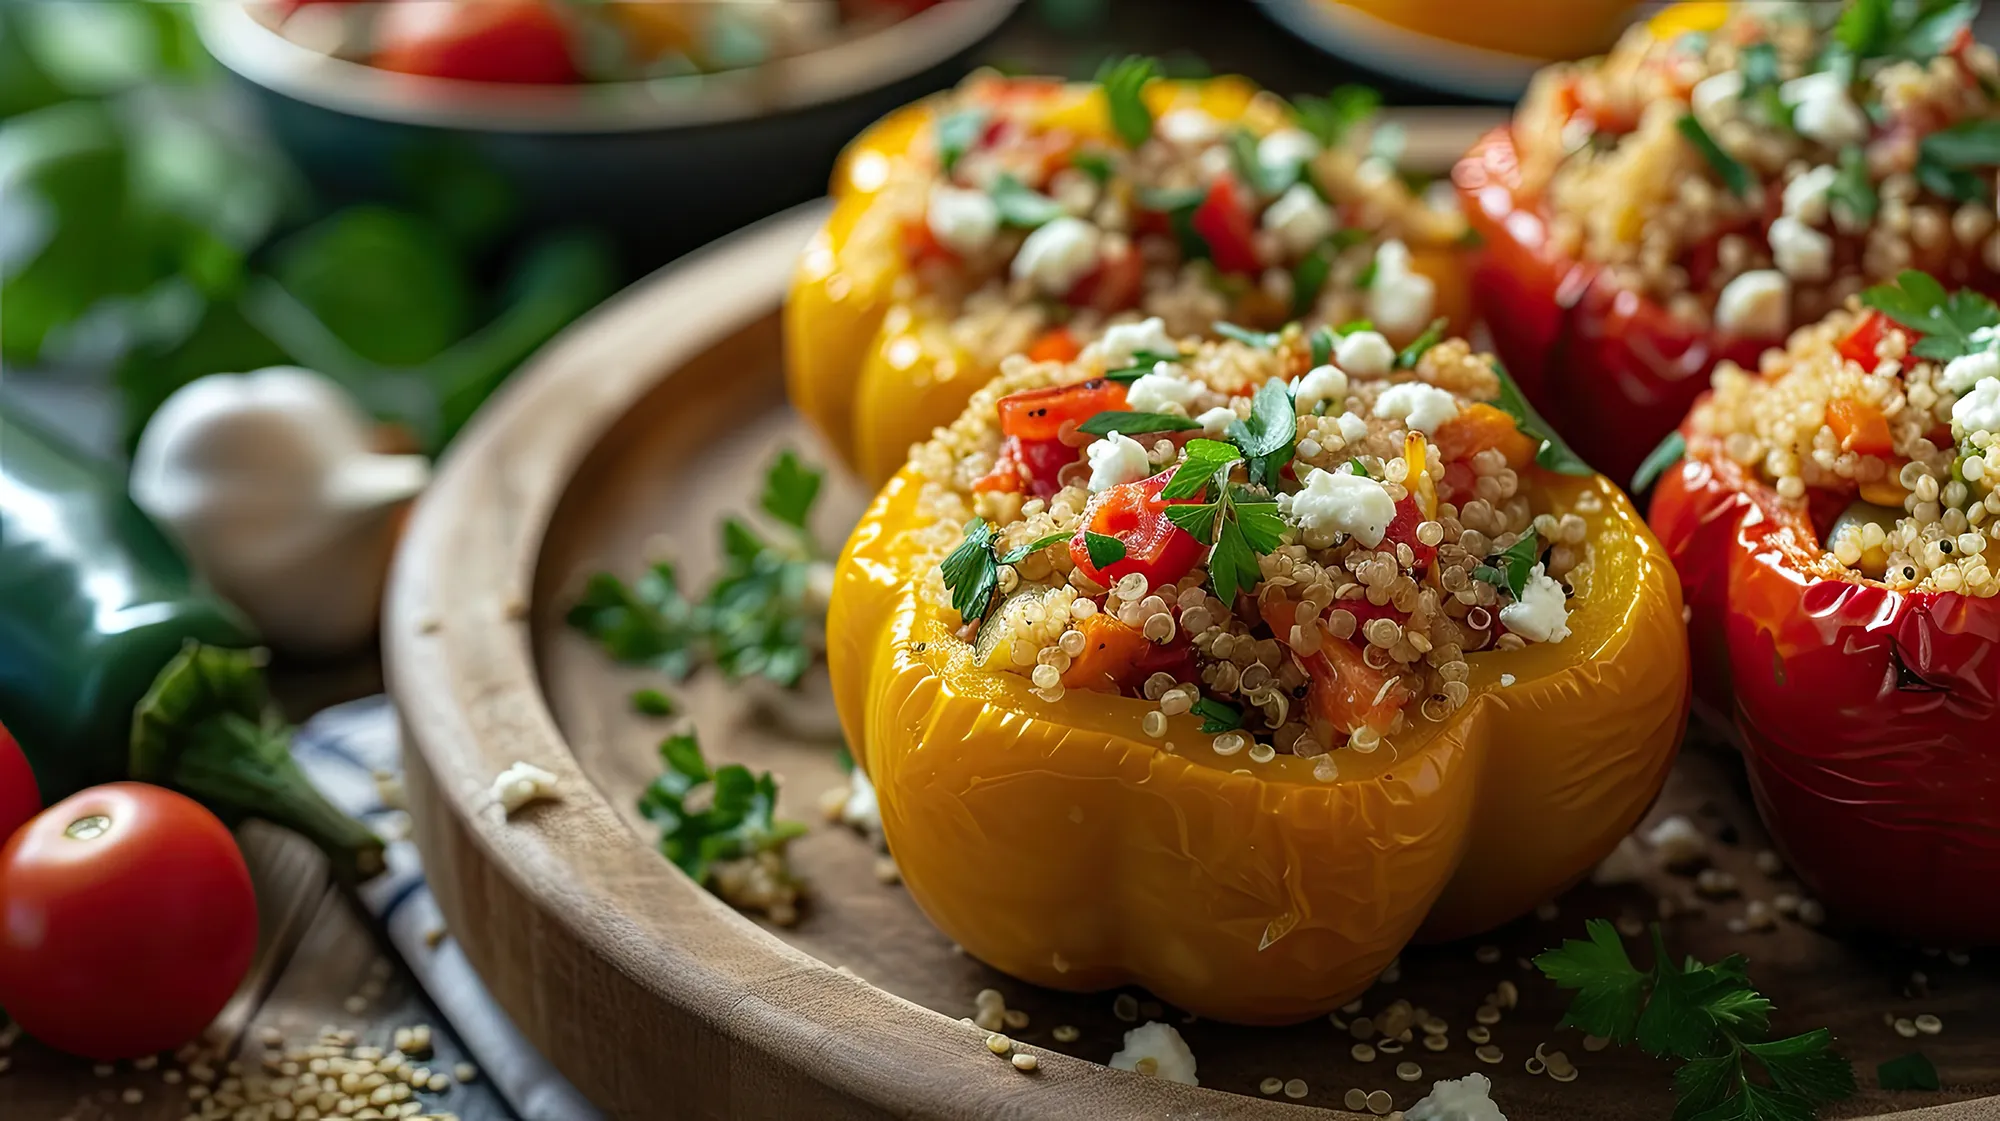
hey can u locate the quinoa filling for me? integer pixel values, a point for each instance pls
(1032, 231)
(1299, 537)
(1881, 423)
(1755, 174)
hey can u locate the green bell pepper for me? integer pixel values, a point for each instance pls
(116, 664)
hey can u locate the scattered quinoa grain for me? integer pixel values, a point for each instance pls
(1024, 1061)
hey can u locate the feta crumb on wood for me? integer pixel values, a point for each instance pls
(521, 784)
(1158, 1050)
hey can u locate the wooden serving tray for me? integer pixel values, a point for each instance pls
(626, 441)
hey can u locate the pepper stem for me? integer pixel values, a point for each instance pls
(207, 728)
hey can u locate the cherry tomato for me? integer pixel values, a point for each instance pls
(1038, 414)
(1223, 221)
(20, 799)
(1136, 515)
(523, 41)
(130, 920)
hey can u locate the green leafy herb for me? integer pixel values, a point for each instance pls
(1104, 550)
(1948, 160)
(652, 702)
(1707, 1016)
(1952, 325)
(1143, 362)
(1262, 179)
(1356, 467)
(1669, 451)
(1508, 570)
(1354, 325)
(971, 573)
(1865, 27)
(1322, 341)
(1267, 434)
(1124, 81)
(1135, 424)
(1262, 340)
(1886, 29)
(1431, 336)
(1097, 165)
(1852, 189)
(1758, 64)
(740, 820)
(757, 611)
(1365, 279)
(790, 489)
(1198, 519)
(1217, 716)
(1950, 182)
(1016, 556)
(1310, 275)
(957, 133)
(1330, 118)
(1913, 1071)
(1553, 454)
(1733, 174)
(1201, 461)
(646, 623)
(1021, 206)
(1263, 529)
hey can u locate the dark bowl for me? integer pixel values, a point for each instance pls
(662, 165)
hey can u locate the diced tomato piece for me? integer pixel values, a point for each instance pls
(921, 246)
(526, 41)
(1038, 414)
(1033, 466)
(1056, 345)
(1403, 531)
(1113, 285)
(1347, 692)
(1136, 515)
(1860, 344)
(1118, 658)
(1224, 222)
(1479, 427)
(1458, 483)
(1859, 426)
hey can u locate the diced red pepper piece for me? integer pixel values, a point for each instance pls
(921, 246)
(1860, 344)
(1056, 345)
(1859, 426)
(1038, 414)
(1136, 515)
(1113, 285)
(1031, 466)
(1224, 222)
(1119, 658)
(1403, 531)
(1347, 692)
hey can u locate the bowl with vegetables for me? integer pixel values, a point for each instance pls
(1726, 174)
(1029, 215)
(621, 115)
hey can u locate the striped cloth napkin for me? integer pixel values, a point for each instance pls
(342, 749)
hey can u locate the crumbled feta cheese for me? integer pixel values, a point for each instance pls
(1123, 340)
(1366, 353)
(861, 810)
(521, 784)
(1420, 406)
(1758, 303)
(1805, 195)
(1299, 218)
(1217, 420)
(1400, 300)
(1457, 1099)
(1677, 842)
(1823, 111)
(1713, 96)
(1156, 1049)
(1058, 254)
(1968, 370)
(1153, 392)
(962, 221)
(1188, 126)
(1979, 410)
(1341, 502)
(1321, 384)
(1801, 252)
(1542, 612)
(1116, 459)
(1286, 150)
(1506, 679)
(1353, 428)
(1627, 864)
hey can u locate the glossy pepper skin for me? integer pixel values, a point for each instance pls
(1867, 716)
(1611, 369)
(1059, 843)
(96, 607)
(870, 362)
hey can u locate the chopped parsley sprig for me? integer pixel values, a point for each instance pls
(1913, 1071)
(1509, 568)
(972, 570)
(1952, 324)
(1237, 524)
(1886, 29)
(1135, 424)
(1727, 168)
(1708, 1017)
(1267, 434)
(1217, 716)
(1949, 161)
(1021, 206)
(1142, 363)
(1124, 81)
(1554, 454)
(740, 819)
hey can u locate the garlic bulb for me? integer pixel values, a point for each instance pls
(268, 482)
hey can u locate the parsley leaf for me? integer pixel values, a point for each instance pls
(1948, 159)
(756, 610)
(1610, 992)
(1017, 555)
(1884, 29)
(1267, 434)
(1670, 451)
(1135, 424)
(1806, 1066)
(957, 133)
(971, 573)
(1431, 336)
(652, 702)
(740, 819)
(790, 488)
(1309, 276)
(1330, 118)
(1021, 206)
(1952, 325)
(1365, 279)
(1260, 523)
(1124, 81)
(1262, 340)
(1554, 454)
(648, 623)
(1852, 189)
(1097, 165)
(1104, 550)
(1198, 519)
(1509, 570)
(1732, 173)
(1913, 1071)
(1143, 362)
(1322, 341)
(1217, 716)
(1202, 459)
(1865, 27)
(1232, 564)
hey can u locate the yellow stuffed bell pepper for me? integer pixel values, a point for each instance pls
(1412, 670)
(1025, 215)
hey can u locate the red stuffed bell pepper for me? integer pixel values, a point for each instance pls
(1716, 180)
(1834, 524)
